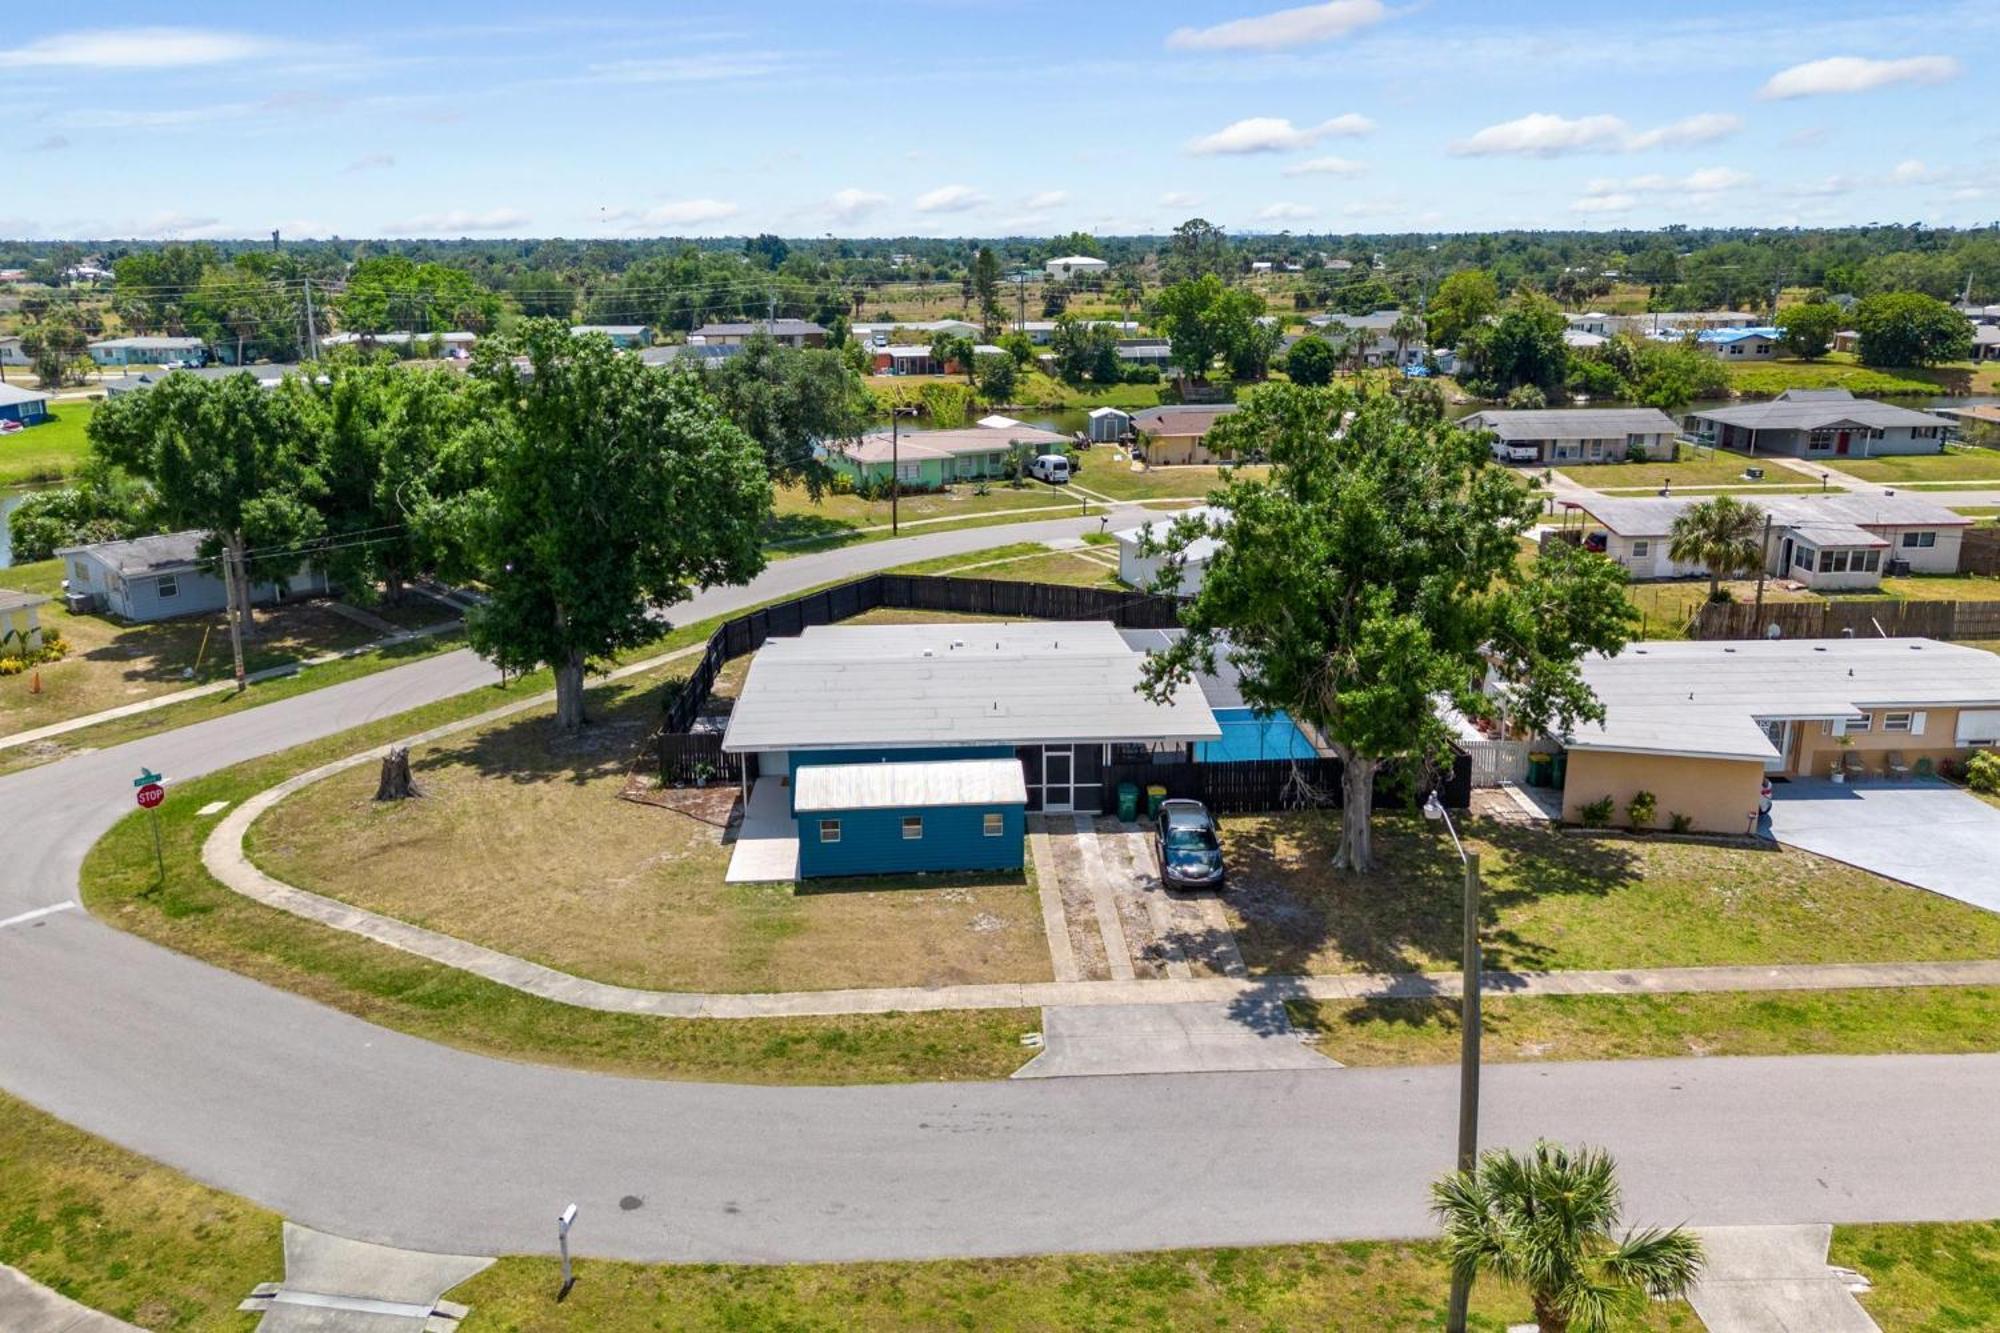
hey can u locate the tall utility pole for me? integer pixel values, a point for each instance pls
(231, 577)
(1021, 297)
(312, 334)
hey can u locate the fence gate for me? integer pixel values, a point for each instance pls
(1495, 762)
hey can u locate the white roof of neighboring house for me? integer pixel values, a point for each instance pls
(1198, 551)
(901, 785)
(1572, 423)
(877, 446)
(15, 393)
(1085, 261)
(610, 330)
(1579, 338)
(901, 686)
(1096, 412)
(1706, 698)
(150, 342)
(166, 553)
(1653, 516)
(1811, 409)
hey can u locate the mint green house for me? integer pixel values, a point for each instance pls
(930, 460)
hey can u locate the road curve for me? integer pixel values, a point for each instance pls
(372, 1134)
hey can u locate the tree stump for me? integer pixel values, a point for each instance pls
(396, 784)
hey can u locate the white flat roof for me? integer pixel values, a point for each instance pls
(904, 686)
(1198, 550)
(1706, 699)
(893, 785)
(1653, 516)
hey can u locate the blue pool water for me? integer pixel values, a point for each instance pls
(1248, 734)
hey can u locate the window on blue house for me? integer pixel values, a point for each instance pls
(829, 830)
(996, 825)
(913, 827)
(168, 586)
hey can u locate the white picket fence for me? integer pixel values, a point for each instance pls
(1495, 762)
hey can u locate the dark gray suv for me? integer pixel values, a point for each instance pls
(1190, 850)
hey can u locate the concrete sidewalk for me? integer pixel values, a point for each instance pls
(1775, 1280)
(26, 1306)
(1169, 1039)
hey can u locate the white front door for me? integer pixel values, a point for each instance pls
(1780, 734)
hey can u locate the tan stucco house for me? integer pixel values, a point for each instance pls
(1701, 724)
(1178, 434)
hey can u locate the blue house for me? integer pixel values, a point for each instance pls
(157, 578)
(893, 749)
(621, 335)
(30, 407)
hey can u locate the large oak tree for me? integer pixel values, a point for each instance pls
(612, 489)
(1372, 579)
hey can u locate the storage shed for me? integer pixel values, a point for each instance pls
(1108, 425)
(910, 816)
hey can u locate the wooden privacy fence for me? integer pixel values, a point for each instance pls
(913, 592)
(1258, 786)
(699, 757)
(1979, 550)
(1832, 620)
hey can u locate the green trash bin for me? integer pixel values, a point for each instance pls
(1128, 802)
(1561, 768)
(1154, 797)
(1541, 770)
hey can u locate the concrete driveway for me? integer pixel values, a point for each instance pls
(1926, 833)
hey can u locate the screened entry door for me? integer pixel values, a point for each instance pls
(1058, 780)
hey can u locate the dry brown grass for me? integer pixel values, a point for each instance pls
(521, 844)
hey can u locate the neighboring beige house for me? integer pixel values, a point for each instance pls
(786, 332)
(1169, 436)
(1700, 725)
(1578, 434)
(1829, 542)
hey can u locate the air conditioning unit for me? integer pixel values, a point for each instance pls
(80, 603)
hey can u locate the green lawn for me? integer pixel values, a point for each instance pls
(798, 520)
(1707, 468)
(1961, 464)
(1558, 901)
(1929, 1020)
(1840, 370)
(1105, 476)
(1930, 1277)
(1977, 511)
(50, 451)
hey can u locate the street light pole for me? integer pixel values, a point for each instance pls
(1468, 1042)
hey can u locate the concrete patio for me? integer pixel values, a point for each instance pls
(767, 841)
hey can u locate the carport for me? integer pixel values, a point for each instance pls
(1922, 832)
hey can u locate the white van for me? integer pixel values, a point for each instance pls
(1052, 468)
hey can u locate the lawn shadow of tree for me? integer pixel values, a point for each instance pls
(530, 748)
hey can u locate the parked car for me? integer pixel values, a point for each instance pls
(1516, 453)
(1189, 848)
(1764, 798)
(1052, 468)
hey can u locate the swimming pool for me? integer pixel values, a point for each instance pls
(1248, 734)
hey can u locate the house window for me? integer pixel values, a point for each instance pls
(1820, 441)
(1871, 562)
(168, 586)
(1895, 721)
(1860, 722)
(996, 824)
(1803, 556)
(1920, 539)
(829, 830)
(1641, 548)
(908, 471)
(913, 828)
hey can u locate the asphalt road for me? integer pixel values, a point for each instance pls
(364, 1132)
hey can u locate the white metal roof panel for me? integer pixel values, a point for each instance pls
(901, 686)
(893, 785)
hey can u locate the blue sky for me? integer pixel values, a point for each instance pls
(970, 117)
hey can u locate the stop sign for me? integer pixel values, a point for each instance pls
(151, 795)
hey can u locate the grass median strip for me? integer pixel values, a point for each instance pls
(1914, 1021)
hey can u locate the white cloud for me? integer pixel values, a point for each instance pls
(674, 213)
(1706, 181)
(1327, 166)
(1179, 199)
(1604, 203)
(1709, 180)
(158, 118)
(1910, 172)
(1858, 74)
(370, 162)
(950, 199)
(136, 48)
(1306, 25)
(851, 204)
(1706, 127)
(1047, 199)
(688, 69)
(1276, 134)
(458, 222)
(1284, 212)
(1544, 135)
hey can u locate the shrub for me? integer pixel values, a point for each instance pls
(1635, 453)
(1679, 822)
(1598, 813)
(842, 484)
(1982, 773)
(1642, 809)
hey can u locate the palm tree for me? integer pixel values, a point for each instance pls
(1724, 534)
(1408, 328)
(1544, 1220)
